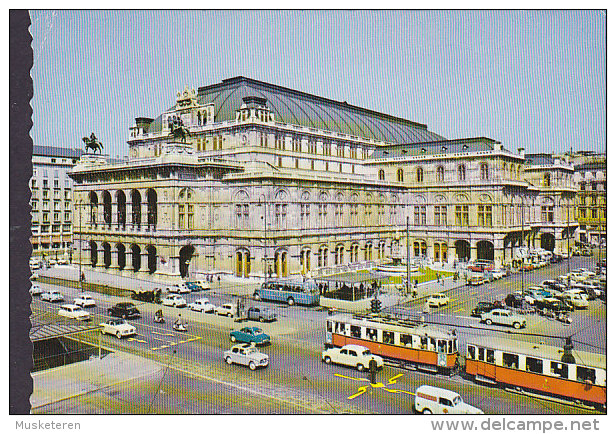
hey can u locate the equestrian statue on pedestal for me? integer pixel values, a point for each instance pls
(93, 143)
(178, 130)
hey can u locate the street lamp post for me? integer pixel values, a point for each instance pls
(79, 203)
(264, 217)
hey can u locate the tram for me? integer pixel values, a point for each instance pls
(415, 345)
(562, 372)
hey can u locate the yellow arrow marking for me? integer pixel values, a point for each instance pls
(361, 391)
(459, 310)
(394, 380)
(377, 385)
(351, 378)
(137, 340)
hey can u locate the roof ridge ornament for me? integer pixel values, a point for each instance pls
(187, 97)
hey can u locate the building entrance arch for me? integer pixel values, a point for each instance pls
(463, 250)
(548, 242)
(186, 256)
(485, 250)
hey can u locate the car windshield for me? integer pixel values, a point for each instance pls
(457, 400)
(256, 330)
(251, 350)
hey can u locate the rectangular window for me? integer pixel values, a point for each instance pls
(406, 340)
(511, 360)
(586, 375)
(181, 216)
(356, 331)
(481, 354)
(490, 356)
(388, 337)
(534, 365)
(371, 334)
(559, 369)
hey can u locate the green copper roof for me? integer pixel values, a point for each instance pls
(299, 108)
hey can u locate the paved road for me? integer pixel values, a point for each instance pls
(198, 381)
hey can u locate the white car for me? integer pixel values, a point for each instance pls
(351, 355)
(499, 273)
(434, 400)
(577, 298)
(35, 290)
(437, 300)
(85, 300)
(202, 305)
(35, 264)
(227, 309)
(118, 327)
(174, 300)
(74, 312)
(52, 296)
(178, 289)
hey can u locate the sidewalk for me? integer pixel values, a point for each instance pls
(64, 382)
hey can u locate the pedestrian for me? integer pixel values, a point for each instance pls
(438, 278)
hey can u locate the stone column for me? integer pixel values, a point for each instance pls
(114, 215)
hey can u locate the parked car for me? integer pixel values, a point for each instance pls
(248, 355)
(118, 327)
(357, 356)
(514, 300)
(576, 298)
(74, 312)
(202, 305)
(35, 264)
(35, 290)
(437, 300)
(504, 317)
(261, 314)
(553, 285)
(250, 334)
(84, 300)
(124, 310)
(499, 273)
(434, 400)
(198, 285)
(174, 300)
(477, 280)
(52, 296)
(34, 276)
(485, 306)
(178, 289)
(227, 309)
(553, 305)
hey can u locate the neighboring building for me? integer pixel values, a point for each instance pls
(555, 203)
(276, 179)
(591, 200)
(52, 194)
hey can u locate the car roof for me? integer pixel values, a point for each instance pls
(69, 305)
(431, 390)
(354, 347)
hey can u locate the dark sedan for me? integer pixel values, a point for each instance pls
(124, 310)
(485, 306)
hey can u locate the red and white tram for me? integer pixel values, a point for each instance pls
(545, 369)
(418, 345)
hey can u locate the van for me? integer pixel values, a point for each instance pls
(434, 400)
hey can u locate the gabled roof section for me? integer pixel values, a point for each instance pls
(53, 151)
(299, 108)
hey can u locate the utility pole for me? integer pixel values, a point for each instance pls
(79, 203)
(408, 257)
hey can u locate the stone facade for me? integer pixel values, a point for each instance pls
(292, 183)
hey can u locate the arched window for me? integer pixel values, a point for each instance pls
(381, 175)
(152, 200)
(420, 174)
(483, 169)
(93, 207)
(440, 174)
(461, 172)
(546, 179)
(400, 175)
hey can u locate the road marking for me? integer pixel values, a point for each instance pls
(350, 378)
(137, 340)
(163, 334)
(459, 310)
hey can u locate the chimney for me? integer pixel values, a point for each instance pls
(521, 152)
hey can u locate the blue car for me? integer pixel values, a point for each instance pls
(250, 335)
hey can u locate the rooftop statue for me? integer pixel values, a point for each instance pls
(93, 143)
(179, 131)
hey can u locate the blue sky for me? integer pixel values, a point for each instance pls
(533, 79)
